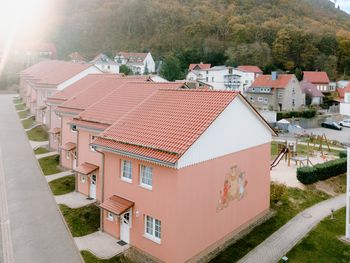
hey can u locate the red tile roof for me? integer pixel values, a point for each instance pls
(77, 87)
(133, 55)
(69, 146)
(341, 91)
(55, 130)
(94, 93)
(54, 72)
(167, 124)
(266, 81)
(117, 205)
(75, 56)
(247, 68)
(316, 77)
(200, 65)
(86, 168)
(123, 99)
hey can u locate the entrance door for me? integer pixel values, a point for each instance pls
(74, 159)
(93, 186)
(125, 227)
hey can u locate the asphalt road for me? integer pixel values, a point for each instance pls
(341, 136)
(36, 230)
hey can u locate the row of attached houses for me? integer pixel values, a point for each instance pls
(156, 158)
(45, 78)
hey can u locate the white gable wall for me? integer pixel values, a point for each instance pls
(151, 66)
(82, 74)
(237, 128)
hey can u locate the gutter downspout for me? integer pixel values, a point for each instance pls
(102, 186)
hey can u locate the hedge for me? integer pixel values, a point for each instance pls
(308, 114)
(322, 171)
(343, 154)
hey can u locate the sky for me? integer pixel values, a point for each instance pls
(344, 5)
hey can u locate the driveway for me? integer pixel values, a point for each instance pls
(34, 224)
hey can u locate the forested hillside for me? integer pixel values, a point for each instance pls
(284, 34)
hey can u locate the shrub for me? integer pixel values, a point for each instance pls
(308, 114)
(332, 168)
(278, 192)
(307, 175)
(322, 171)
(343, 154)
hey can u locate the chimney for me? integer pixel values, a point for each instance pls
(274, 75)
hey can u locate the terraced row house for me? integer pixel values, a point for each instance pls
(167, 165)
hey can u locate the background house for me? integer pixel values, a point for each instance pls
(139, 63)
(319, 79)
(105, 64)
(312, 95)
(279, 92)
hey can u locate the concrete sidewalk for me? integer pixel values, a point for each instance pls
(52, 177)
(36, 145)
(284, 239)
(74, 200)
(38, 231)
(43, 155)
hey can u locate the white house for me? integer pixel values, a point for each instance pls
(139, 63)
(105, 64)
(225, 78)
(345, 106)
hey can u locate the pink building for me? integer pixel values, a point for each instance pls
(45, 78)
(177, 178)
(77, 104)
(95, 119)
(59, 98)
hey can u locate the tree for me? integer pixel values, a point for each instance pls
(249, 54)
(123, 69)
(171, 68)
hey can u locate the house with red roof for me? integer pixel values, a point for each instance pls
(59, 98)
(279, 92)
(312, 95)
(78, 103)
(45, 78)
(344, 100)
(139, 63)
(178, 184)
(320, 79)
(105, 64)
(98, 117)
(222, 77)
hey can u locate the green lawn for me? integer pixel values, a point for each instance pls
(63, 185)
(20, 107)
(290, 203)
(23, 114)
(90, 258)
(41, 150)
(49, 165)
(322, 243)
(28, 123)
(38, 134)
(82, 221)
(17, 101)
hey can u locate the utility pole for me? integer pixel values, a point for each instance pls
(347, 223)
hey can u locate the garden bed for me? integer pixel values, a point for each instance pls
(38, 134)
(63, 185)
(50, 165)
(28, 123)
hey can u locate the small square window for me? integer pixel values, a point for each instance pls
(153, 229)
(82, 179)
(92, 138)
(73, 128)
(110, 216)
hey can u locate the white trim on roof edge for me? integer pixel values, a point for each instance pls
(237, 128)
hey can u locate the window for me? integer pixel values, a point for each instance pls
(126, 171)
(251, 99)
(260, 99)
(293, 102)
(206, 79)
(67, 155)
(280, 94)
(212, 79)
(153, 229)
(146, 177)
(73, 128)
(92, 138)
(266, 100)
(110, 216)
(82, 179)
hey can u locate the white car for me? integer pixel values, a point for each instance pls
(345, 123)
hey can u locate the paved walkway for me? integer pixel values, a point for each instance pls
(52, 177)
(37, 228)
(74, 200)
(34, 126)
(283, 240)
(28, 117)
(43, 155)
(107, 245)
(36, 145)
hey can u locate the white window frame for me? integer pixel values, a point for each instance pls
(126, 179)
(110, 216)
(152, 236)
(260, 99)
(144, 185)
(72, 130)
(280, 94)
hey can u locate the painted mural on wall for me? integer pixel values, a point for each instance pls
(234, 187)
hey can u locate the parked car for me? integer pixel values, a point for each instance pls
(345, 123)
(331, 125)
